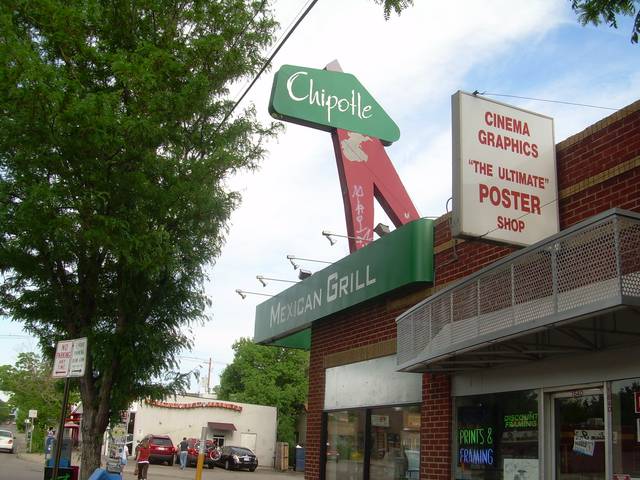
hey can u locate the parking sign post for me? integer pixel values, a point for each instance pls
(69, 361)
(65, 399)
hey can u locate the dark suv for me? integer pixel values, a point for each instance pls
(162, 449)
(236, 458)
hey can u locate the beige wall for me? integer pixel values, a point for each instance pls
(178, 423)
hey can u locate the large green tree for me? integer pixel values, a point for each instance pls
(113, 160)
(272, 376)
(608, 12)
(30, 386)
(112, 168)
(5, 411)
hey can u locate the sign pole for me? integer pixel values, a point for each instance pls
(65, 399)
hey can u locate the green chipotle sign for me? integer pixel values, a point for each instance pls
(401, 258)
(326, 100)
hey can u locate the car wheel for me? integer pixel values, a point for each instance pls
(170, 462)
(252, 469)
(226, 465)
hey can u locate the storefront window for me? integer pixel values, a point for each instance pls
(625, 427)
(395, 443)
(391, 452)
(496, 436)
(345, 445)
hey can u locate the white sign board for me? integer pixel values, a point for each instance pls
(33, 413)
(79, 357)
(584, 446)
(62, 360)
(505, 184)
(70, 358)
(520, 468)
(380, 420)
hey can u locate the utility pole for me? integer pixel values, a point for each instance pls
(209, 378)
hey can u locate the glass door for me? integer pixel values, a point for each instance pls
(579, 435)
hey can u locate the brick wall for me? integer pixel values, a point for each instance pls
(598, 169)
(435, 430)
(370, 323)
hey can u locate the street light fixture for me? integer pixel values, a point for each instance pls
(244, 293)
(262, 279)
(330, 236)
(302, 274)
(381, 229)
(291, 258)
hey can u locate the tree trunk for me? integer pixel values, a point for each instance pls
(92, 436)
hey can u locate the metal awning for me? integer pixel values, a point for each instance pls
(221, 426)
(577, 290)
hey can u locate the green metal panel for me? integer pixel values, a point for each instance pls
(326, 100)
(403, 257)
(301, 340)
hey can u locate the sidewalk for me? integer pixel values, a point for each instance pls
(174, 472)
(39, 457)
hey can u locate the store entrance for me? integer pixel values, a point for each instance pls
(579, 435)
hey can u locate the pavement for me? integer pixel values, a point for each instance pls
(164, 471)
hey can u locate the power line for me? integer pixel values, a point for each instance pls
(266, 64)
(199, 359)
(476, 92)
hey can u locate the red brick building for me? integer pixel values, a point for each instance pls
(507, 362)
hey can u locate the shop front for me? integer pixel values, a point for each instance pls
(371, 422)
(364, 416)
(542, 351)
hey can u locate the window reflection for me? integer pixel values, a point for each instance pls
(395, 443)
(393, 447)
(625, 402)
(345, 445)
(496, 436)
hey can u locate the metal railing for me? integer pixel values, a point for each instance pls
(587, 268)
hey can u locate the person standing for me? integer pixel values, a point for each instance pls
(142, 459)
(184, 449)
(124, 455)
(48, 443)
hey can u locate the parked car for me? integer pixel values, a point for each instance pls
(162, 449)
(7, 441)
(237, 458)
(211, 453)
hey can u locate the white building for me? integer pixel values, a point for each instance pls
(230, 423)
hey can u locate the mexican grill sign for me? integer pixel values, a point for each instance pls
(402, 258)
(327, 100)
(504, 172)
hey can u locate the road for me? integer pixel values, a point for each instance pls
(14, 468)
(21, 467)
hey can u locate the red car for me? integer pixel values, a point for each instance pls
(210, 456)
(162, 449)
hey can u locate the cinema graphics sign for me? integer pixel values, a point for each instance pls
(504, 172)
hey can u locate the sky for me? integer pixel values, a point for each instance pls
(411, 64)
